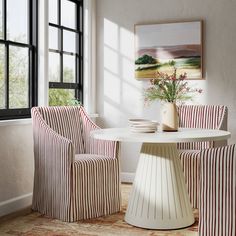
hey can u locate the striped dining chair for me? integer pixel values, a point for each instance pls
(76, 177)
(217, 207)
(202, 117)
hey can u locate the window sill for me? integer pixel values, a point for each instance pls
(16, 122)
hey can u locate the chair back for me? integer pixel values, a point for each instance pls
(202, 117)
(217, 206)
(66, 121)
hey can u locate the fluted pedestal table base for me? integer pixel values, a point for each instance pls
(159, 198)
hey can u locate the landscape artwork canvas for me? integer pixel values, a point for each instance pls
(163, 47)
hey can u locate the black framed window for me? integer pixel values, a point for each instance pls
(65, 52)
(18, 59)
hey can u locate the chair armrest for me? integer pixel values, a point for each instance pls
(104, 148)
(94, 146)
(101, 147)
(50, 148)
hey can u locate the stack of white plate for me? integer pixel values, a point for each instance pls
(143, 125)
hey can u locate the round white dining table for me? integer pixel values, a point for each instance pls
(159, 198)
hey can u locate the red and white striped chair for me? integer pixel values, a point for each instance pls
(217, 208)
(76, 177)
(203, 117)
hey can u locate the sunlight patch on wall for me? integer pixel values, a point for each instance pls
(111, 34)
(111, 60)
(122, 93)
(112, 87)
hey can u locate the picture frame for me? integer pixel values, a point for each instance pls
(165, 46)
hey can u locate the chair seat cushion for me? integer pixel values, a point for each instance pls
(190, 160)
(97, 177)
(92, 158)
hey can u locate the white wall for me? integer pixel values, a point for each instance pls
(16, 166)
(119, 95)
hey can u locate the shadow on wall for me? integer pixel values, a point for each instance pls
(122, 93)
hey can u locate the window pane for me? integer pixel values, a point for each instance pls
(68, 69)
(60, 97)
(53, 11)
(81, 18)
(54, 67)
(53, 38)
(81, 43)
(2, 77)
(69, 40)
(18, 77)
(17, 20)
(1, 19)
(68, 14)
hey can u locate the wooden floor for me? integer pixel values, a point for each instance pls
(34, 224)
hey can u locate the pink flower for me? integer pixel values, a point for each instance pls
(183, 77)
(169, 88)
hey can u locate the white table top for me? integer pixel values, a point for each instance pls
(183, 135)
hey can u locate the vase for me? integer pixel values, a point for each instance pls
(169, 117)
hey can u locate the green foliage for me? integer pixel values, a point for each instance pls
(194, 62)
(68, 75)
(169, 88)
(145, 59)
(172, 63)
(18, 77)
(74, 102)
(62, 97)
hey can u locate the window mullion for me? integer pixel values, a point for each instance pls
(30, 56)
(7, 74)
(60, 41)
(59, 12)
(30, 22)
(80, 53)
(30, 75)
(77, 66)
(5, 19)
(61, 55)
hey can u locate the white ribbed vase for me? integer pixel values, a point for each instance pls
(169, 117)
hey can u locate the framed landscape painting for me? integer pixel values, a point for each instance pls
(163, 47)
